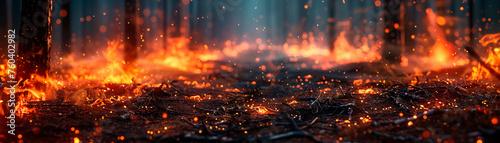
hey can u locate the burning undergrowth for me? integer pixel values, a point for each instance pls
(277, 99)
(276, 108)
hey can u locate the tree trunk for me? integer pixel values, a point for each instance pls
(66, 30)
(34, 44)
(35, 38)
(331, 26)
(130, 36)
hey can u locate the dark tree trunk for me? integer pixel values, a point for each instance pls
(176, 19)
(35, 37)
(34, 43)
(130, 35)
(166, 19)
(66, 29)
(331, 26)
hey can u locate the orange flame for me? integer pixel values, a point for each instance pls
(261, 109)
(442, 50)
(493, 59)
(345, 52)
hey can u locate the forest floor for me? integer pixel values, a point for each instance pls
(282, 105)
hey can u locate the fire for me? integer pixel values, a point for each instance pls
(345, 53)
(232, 50)
(38, 88)
(3, 69)
(366, 91)
(109, 68)
(410, 123)
(181, 58)
(493, 59)
(114, 72)
(196, 97)
(305, 49)
(357, 82)
(442, 50)
(261, 109)
(366, 120)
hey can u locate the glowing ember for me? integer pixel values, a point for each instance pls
(261, 109)
(366, 91)
(357, 82)
(196, 97)
(195, 119)
(410, 123)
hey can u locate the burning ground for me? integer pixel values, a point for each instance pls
(249, 104)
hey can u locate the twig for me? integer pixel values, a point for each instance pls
(284, 103)
(310, 124)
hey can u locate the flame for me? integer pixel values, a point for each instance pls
(114, 71)
(108, 68)
(3, 69)
(442, 50)
(261, 109)
(181, 58)
(195, 97)
(232, 51)
(357, 82)
(345, 52)
(493, 59)
(489, 39)
(366, 91)
(40, 88)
